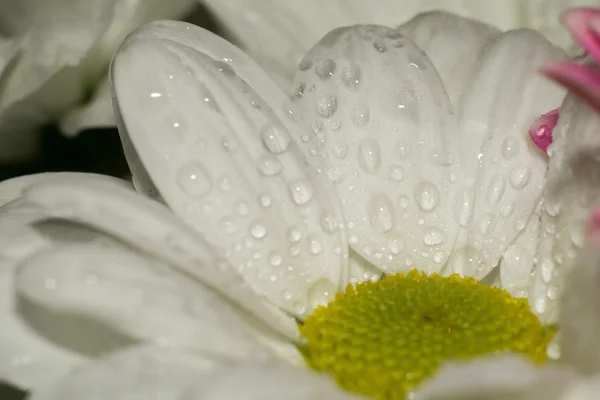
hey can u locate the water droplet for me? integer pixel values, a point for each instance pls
(520, 177)
(269, 165)
(301, 191)
(381, 214)
(403, 201)
(395, 243)
(225, 68)
(361, 115)
(275, 259)
(241, 207)
(329, 223)
(402, 148)
(351, 75)
(225, 184)
(275, 139)
(326, 106)
(433, 236)
(427, 196)
(315, 245)
(265, 201)
(380, 46)
(294, 251)
(321, 293)
(510, 147)
(507, 209)
(229, 226)
(325, 69)
(396, 173)
(488, 223)
(393, 35)
(340, 150)
(496, 190)
(258, 230)
(287, 295)
(294, 235)
(193, 180)
(208, 98)
(369, 157)
(305, 64)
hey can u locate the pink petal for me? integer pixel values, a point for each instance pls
(541, 130)
(584, 25)
(579, 79)
(594, 228)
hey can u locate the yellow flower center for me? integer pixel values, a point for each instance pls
(381, 339)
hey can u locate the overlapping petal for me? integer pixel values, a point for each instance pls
(504, 170)
(572, 190)
(453, 43)
(380, 115)
(501, 378)
(221, 151)
(291, 27)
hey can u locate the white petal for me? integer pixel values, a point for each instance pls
(12, 189)
(218, 147)
(97, 113)
(137, 296)
(500, 378)
(504, 170)
(381, 116)
(151, 228)
(572, 191)
(271, 381)
(579, 313)
(518, 261)
(27, 359)
(291, 27)
(453, 44)
(140, 373)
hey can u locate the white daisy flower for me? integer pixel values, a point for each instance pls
(291, 27)
(240, 257)
(53, 53)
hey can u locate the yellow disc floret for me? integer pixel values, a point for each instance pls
(381, 339)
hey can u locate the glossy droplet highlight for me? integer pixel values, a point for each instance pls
(269, 165)
(351, 75)
(381, 214)
(194, 180)
(520, 177)
(427, 196)
(433, 236)
(325, 69)
(369, 156)
(326, 106)
(301, 191)
(275, 139)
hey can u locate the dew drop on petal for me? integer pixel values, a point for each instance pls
(275, 139)
(301, 191)
(193, 180)
(427, 196)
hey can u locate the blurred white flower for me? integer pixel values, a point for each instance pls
(277, 33)
(54, 56)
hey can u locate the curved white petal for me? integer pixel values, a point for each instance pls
(498, 378)
(219, 149)
(150, 227)
(12, 189)
(27, 359)
(518, 261)
(140, 373)
(504, 171)
(579, 313)
(572, 191)
(453, 43)
(388, 133)
(139, 297)
(271, 381)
